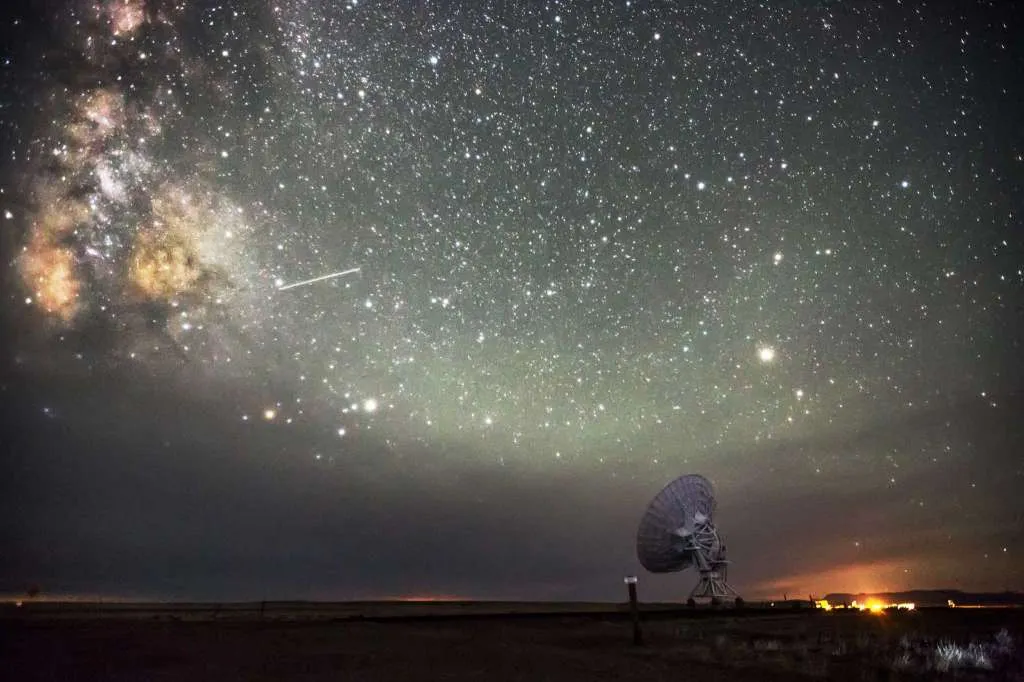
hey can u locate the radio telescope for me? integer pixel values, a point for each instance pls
(677, 532)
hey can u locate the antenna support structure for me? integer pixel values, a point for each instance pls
(709, 558)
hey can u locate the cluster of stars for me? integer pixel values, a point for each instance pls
(568, 241)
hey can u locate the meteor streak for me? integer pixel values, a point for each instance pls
(317, 279)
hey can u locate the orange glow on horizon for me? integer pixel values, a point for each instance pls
(428, 598)
(869, 577)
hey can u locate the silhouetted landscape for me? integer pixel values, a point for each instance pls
(935, 598)
(502, 641)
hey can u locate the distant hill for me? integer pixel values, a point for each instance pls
(935, 598)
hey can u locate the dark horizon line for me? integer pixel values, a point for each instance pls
(454, 599)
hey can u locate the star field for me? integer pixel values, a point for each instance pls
(601, 239)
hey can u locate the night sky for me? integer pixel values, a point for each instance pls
(587, 247)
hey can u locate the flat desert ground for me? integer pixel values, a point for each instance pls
(510, 642)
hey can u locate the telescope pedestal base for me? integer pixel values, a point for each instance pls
(712, 586)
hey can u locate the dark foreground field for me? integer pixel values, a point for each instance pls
(202, 645)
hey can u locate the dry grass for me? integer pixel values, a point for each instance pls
(943, 644)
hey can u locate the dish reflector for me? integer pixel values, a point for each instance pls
(670, 517)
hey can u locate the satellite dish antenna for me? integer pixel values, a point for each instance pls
(677, 532)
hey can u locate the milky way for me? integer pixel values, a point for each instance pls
(605, 237)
